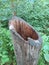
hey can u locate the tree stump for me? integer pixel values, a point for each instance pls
(27, 44)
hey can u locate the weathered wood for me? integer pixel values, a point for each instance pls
(26, 51)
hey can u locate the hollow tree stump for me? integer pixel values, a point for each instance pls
(26, 42)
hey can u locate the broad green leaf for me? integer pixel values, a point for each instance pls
(5, 59)
(46, 56)
(47, 29)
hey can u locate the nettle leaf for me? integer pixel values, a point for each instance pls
(46, 48)
(45, 38)
(0, 54)
(5, 59)
(48, 29)
(46, 56)
(5, 52)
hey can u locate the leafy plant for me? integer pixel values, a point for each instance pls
(6, 48)
(46, 47)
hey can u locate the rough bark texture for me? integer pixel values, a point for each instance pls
(26, 52)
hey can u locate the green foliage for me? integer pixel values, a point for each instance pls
(46, 47)
(44, 55)
(6, 48)
(36, 12)
(4, 24)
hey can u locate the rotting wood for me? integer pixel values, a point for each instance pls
(26, 51)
